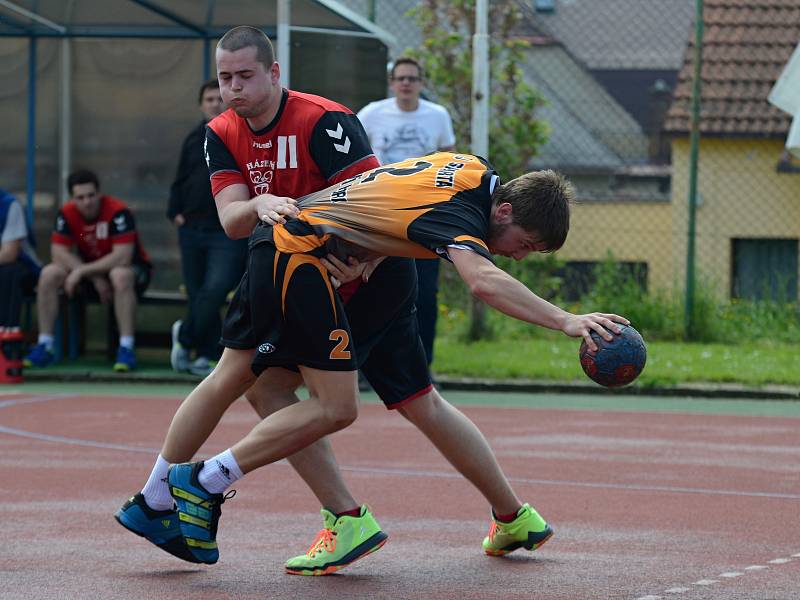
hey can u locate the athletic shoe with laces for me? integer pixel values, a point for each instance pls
(178, 355)
(126, 360)
(159, 527)
(39, 356)
(198, 511)
(527, 531)
(343, 540)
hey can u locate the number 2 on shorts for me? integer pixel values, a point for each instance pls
(343, 339)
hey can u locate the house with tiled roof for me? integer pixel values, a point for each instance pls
(748, 214)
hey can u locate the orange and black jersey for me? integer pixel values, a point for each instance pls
(414, 208)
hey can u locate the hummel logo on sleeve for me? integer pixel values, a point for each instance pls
(337, 135)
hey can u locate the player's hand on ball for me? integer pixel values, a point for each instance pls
(584, 325)
(273, 210)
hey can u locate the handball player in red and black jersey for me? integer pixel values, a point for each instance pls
(270, 143)
(109, 263)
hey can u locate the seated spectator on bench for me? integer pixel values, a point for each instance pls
(110, 265)
(19, 265)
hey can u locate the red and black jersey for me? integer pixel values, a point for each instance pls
(95, 239)
(414, 208)
(311, 143)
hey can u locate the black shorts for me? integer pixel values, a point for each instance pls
(383, 321)
(287, 309)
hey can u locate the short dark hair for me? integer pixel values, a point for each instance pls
(540, 204)
(211, 84)
(245, 36)
(82, 176)
(406, 60)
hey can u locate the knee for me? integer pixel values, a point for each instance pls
(121, 278)
(341, 415)
(51, 277)
(424, 408)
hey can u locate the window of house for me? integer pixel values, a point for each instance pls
(765, 269)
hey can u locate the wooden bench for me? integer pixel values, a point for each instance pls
(71, 326)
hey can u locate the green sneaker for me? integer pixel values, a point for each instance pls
(527, 531)
(341, 542)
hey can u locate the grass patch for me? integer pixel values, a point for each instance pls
(668, 363)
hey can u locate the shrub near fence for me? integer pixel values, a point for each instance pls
(657, 314)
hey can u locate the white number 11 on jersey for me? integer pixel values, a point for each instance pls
(282, 145)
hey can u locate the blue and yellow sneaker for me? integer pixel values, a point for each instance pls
(159, 527)
(39, 356)
(198, 511)
(126, 360)
(527, 531)
(342, 541)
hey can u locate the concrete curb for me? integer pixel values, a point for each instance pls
(697, 390)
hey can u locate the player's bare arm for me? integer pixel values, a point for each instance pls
(65, 259)
(121, 255)
(238, 213)
(501, 291)
(9, 251)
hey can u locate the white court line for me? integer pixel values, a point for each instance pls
(796, 555)
(650, 597)
(35, 399)
(779, 561)
(706, 582)
(72, 441)
(399, 472)
(584, 484)
(755, 568)
(731, 574)
(677, 590)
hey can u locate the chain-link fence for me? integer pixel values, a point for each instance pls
(616, 76)
(616, 79)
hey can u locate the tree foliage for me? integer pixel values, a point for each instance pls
(515, 133)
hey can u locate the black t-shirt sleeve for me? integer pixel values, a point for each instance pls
(338, 142)
(122, 223)
(218, 157)
(462, 221)
(61, 226)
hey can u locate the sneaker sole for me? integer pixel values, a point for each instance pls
(174, 547)
(380, 536)
(528, 545)
(174, 353)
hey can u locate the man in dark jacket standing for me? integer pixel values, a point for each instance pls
(212, 262)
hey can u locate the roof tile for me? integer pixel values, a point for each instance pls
(746, 44)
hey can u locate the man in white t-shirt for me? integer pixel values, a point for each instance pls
(19, 265)
(402, 127)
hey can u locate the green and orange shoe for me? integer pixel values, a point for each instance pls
(527, 531)
(342, 541)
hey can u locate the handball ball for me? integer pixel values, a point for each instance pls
(616, 363)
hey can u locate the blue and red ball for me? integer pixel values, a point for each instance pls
(615, 363)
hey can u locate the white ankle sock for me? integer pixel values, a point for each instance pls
(156, 490)
(47, 340)
(219, 472)
(126, 341)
